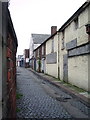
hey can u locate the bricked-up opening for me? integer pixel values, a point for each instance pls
(53, 29)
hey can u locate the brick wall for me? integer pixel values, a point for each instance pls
(39, 55)
(8, 64)
(26, 52)
(11, 76)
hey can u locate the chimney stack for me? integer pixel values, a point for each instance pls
(53, 29)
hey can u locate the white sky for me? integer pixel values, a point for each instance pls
(37, 16)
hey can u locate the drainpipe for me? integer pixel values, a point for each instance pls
(58, 56)
(1, 61)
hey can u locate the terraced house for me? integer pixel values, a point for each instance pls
(41, 54)
(74, 48)
(68, 49)
(40, 58)
(52, 53)
(36, 41)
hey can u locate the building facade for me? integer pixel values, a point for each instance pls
(68, 49)
(52, 53)
(20, 61)
(74, 49)
(26, 58)
(36, 41)
(39, 63)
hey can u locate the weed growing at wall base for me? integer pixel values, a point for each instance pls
(18, 95)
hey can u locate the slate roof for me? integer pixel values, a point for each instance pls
(39, 38)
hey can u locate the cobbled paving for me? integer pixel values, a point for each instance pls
(75, 102)
(35, 102)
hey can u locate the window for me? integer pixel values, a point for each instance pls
(42, 50)
(63, 38)
(52, 50)
(76, 23)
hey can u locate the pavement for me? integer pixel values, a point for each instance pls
(0, 110)
(41, 97)
(82, 95)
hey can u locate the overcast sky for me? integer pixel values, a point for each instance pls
(37, 16)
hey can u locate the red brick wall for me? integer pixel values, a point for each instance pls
(26, 51)
(11, 76)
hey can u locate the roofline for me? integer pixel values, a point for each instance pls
(74, 16)
(46, 40)
(39, 34)
(12, 27)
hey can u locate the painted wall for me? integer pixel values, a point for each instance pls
(71, 33)
(82, 36)
(52, 68)
(36, 45)
(78, 66)
(32, 47)
(78, 71)
(61, 53)
(43, 65)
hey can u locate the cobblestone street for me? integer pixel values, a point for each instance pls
(40, 99)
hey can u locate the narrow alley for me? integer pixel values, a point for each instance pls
(40, 99)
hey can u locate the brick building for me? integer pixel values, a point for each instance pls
(8, 49)
(26, 58)
(37, 58)
(39, 63)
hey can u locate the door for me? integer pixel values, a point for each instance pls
(65, 68)
(35, 64)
